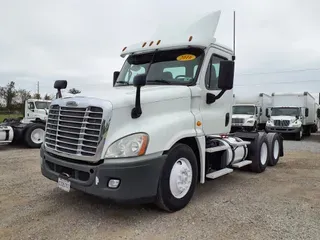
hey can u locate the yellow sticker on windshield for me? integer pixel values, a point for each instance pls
(186, 57)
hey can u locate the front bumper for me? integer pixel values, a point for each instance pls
(246, 124)
(138, 176)
(282, 129)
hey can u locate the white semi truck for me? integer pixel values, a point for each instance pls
(28, 130)
(161, 129)
(250, 112)
(293, 113)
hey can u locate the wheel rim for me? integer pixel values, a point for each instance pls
(37, 135)
(276, 149)
(180, 178)
(263, 153)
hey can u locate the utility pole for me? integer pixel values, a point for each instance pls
(38, 91)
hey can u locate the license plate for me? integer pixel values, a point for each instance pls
(64, 184)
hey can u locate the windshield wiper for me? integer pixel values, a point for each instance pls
(159, 81)
(122, 82)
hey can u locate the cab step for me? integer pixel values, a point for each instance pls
(219, 173)
(241, 164)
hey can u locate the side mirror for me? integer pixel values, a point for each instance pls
(115, 77)
(267, 113)
(306, 112)
(297, 117)
(226, 74)
(60, 84)
(140, 80)
(318, 112)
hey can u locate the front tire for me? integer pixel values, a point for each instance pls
(178, 179)
(298, 135)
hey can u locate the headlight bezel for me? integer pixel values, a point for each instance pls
(114, 150)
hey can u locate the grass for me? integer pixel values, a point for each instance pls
(3, 116)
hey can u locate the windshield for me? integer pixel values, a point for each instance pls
(285, 112)
(42, 105)
(166, 67)
(249, 110)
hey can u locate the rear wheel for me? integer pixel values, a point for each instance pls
(274, 148)
(259, 151)
(34, 135)
(178, 179)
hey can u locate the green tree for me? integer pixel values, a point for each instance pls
(47, 97)
(36, 96)
(74, 91)
(8, 93)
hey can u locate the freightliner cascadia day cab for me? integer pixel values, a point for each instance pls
(250, 112)
(293, 113)
(30, 129)
(161, 129)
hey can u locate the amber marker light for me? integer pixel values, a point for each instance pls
(143, 45)
(158, 42)
(124, 49)
(199, 123)
(143, 146)
(190, 38)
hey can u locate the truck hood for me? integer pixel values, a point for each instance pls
(290, 118)
(124, 96)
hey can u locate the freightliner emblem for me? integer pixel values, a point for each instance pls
(72, 104)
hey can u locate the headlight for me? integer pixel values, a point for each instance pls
(250, 121)
(129, 146)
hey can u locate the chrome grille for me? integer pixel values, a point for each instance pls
(281, 123)
(74, 130)
(237, 120)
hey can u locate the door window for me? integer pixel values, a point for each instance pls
(212, 75)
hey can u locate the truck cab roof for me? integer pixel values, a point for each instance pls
(199, 34)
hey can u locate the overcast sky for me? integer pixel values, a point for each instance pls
(80, 40)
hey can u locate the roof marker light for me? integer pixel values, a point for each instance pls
(151, 43)
(144, 44)
(124, 49)
(190, 38)
(158, 42)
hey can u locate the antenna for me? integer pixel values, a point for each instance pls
(234, 36)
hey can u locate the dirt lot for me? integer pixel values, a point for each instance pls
(281, 203)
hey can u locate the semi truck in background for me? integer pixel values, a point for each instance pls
(250, 112)
(29, 129)
(293, 113)
(157, 132)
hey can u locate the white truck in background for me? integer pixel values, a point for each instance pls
(160, 130)
(317, 117)
(250, 112)
(293, 113)
(29, 129)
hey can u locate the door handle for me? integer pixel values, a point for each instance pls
(227, 119)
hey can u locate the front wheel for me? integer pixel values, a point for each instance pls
(178, 179)
(299, 134)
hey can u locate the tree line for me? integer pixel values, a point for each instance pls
(12, 99)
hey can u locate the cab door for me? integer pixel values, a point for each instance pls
(216, 117)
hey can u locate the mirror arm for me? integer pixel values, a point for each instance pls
(136, 111)
(211, 98)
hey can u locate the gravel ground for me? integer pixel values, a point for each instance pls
(281, 203)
